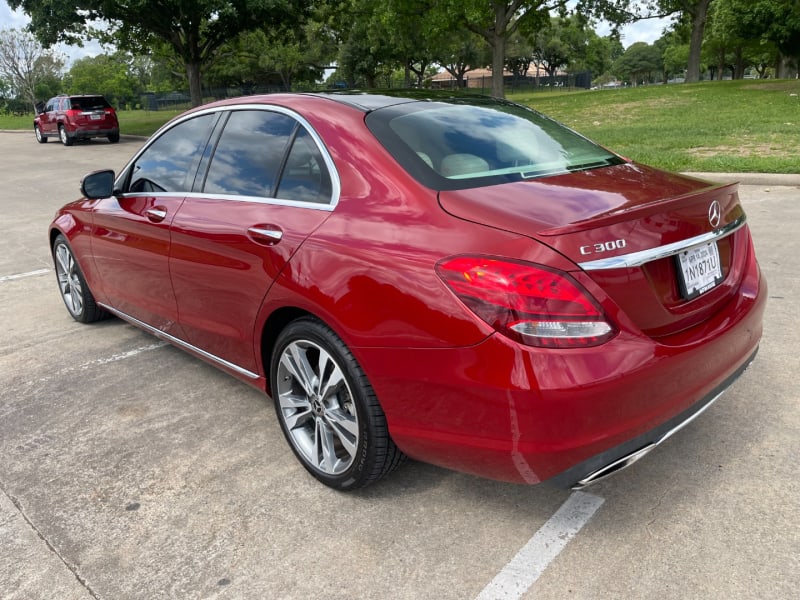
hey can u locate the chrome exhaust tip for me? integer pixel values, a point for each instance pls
(614, 467)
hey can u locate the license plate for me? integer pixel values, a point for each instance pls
(95, 117)
(699, 270)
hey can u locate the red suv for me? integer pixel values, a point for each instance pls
(76, 117)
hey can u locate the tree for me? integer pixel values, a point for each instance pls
(775, 21)
(365, 49)
(111, 75)
(462, 52)
(550, 48)
(497, 20)
(27, 67)
(193, 29)
(697, 12)
(639, 61)
(263, 56)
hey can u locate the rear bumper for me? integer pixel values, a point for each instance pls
(81, 133)
(611, 461)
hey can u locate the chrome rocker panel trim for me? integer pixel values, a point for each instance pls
(637, 259)
(179, 342)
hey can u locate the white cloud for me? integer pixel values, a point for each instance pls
(12, 19)
(648, 30)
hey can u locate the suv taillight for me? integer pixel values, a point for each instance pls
(529, 303)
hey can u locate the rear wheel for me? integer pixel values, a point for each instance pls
(113, 137)
(40, 137)
(75, 292)
(62, 134)
(327, 408)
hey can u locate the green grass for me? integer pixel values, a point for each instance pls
(736, 126)
(733, 126)
(144, 122)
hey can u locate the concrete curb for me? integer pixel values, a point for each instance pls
(770, 179)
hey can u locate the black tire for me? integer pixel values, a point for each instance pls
(113, 137)
(40, 137)
(327, 408)
(72, 285)
(62, 135)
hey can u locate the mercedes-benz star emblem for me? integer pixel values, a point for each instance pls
(714, 214)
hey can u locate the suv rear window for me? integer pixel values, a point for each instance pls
(478, 142)
(88, 103)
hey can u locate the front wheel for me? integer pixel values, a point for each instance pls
(75, 292)
(327, 408)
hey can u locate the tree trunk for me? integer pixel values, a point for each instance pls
(696, 43)
(720, 64)
(738, 64)
(195, 87)
(498, 66)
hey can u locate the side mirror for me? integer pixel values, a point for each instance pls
(98, 184)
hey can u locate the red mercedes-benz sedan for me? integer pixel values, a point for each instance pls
(460, 280)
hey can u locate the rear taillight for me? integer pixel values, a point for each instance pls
(529, 303)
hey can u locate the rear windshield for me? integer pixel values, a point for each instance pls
(482, 142)
(88, 103)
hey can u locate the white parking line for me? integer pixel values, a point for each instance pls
(21, 275)
(530, 562)
(101, 361)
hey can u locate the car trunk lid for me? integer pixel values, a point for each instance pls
(623, 226)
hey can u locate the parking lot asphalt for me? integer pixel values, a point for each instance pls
(130, 470)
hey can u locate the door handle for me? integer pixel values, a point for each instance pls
(156, 214)
(265, 234)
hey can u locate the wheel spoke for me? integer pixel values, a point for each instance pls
(76, 299)
(329, 382)
(296, 362)
(343, 426)
(324, 444)
(63, 257)
(296, 410)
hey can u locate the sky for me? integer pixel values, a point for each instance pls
(642, 31)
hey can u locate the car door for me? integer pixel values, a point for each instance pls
(131, 240)
(234, 235)
(47, 120)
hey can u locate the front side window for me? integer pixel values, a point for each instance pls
(170, 162)
(249, 154)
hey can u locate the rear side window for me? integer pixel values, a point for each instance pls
(249, 153)
(305, 176)
(170, 162)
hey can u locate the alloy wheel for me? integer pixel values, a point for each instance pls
(317, 407)
(69, 281)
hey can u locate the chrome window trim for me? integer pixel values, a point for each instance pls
(179, 342)
(336, 184)
(261, 200)
(637, 259)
